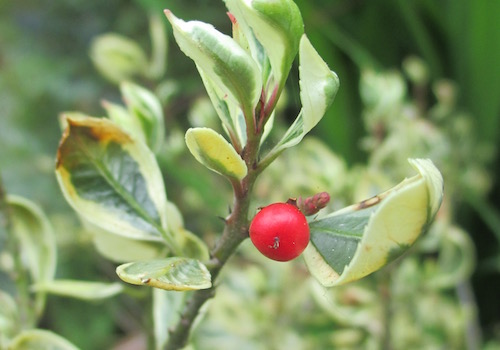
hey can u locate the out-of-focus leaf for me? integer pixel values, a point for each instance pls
(80, 289)
(9, 318)
(277, 25)
(122, 249)
(143, 105)
(175, 273)
(36, 239)
(4, 218)
(358, 240)
(38, 339)
(159, 47)
(118, 58)
(122, 117)
(191, 245)
(36, 236)
(214, 152)
(112, 180)
(222, 60)
(167, 307)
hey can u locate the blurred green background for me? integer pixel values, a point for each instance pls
(45, 68)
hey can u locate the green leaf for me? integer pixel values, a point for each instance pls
(214, 152)
(222, 60)
(80, 289)
(117, 58)
(358, 240)
(318, 84)
(277, 25)
(143, 105)
(167, 308)
(159, 46)
(122, 249)
(112, 180)
(38, 339)
(36, 237)
(9, 318)
(226, 109)
(318, 87)
(175, 273)
(121, 117)
(37, 244)
(191, 245)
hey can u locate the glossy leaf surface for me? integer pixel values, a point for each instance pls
(277, 25)
(112, 180)
(358, 240)
(222, 60)
(213, 151)
(175, 273)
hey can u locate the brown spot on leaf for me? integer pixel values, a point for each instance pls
(369, 202)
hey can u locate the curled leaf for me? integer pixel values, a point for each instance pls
(223, 61)
(358, 240)
(277, 26)
(175, 273)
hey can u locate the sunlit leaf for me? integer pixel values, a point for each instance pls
(112, 180)
(213, 151)
(175, 273)
(358, 240)
(277, 25)
(80, 289)
(38, 339)
(224, 62)
(144, 106)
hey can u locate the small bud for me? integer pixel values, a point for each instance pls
(311, 205)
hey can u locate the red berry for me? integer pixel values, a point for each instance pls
(280, 231)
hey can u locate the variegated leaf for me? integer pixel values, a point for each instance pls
(213, 151)
(358, 240)
(112, 180)
(223, 61)
(175, 273)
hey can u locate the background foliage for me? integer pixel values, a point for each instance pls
(45, 68)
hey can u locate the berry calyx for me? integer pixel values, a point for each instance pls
(280, 231)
